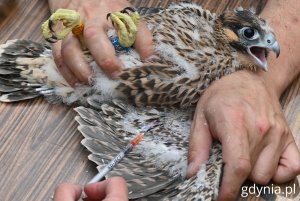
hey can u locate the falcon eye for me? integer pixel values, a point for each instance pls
(249, 33)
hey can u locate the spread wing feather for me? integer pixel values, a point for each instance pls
(156, 168)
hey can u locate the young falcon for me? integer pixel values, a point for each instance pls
(195, 48)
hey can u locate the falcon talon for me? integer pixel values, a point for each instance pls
(50, 26)
(126, 25)
(108, 16)
(71, 22)
(128, 8)
(124, 22)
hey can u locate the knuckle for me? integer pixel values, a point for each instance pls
(91, 31)
(263, 125)
(106, 63)
(281, 130)
(242, 167)
(281, 127)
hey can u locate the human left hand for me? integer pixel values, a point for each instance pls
(245, 115)
(69, 56)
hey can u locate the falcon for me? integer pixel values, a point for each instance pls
(195, 48)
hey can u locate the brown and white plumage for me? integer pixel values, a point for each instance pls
(195, 47)
(156, 169)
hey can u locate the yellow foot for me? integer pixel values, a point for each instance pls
(71, 23)
(125, 24)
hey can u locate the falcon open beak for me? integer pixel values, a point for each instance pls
(259, 52)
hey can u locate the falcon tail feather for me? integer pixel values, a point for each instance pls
(27, 70)
(14, 86)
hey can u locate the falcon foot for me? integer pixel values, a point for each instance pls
(70, 22)
(125, 22)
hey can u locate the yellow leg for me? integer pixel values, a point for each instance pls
(71, 23)
(126, 26)
(125, 23)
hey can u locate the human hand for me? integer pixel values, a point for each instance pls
(246, 117)
(113, 189)
(68, 54)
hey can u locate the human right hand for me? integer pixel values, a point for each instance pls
(113, 189)
(68, 54)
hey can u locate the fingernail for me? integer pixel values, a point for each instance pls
(192, 169)
(115, 75)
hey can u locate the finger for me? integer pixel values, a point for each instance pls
(117, 189)
(144, 42)
(67, 192)
(266, 165)
(289, 163)
(73, 58)
(61, 66)
(200, 142)
(237, 162)
(113, 189)
(267, 161)
(101, 48)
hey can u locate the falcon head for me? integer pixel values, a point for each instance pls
(249, 35)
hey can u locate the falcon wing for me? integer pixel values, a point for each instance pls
(156, 168)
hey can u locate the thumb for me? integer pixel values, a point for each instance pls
(200, 142)
(289, 163)
(67, 192)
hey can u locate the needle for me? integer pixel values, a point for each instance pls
(100, 176)
(117, 159)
